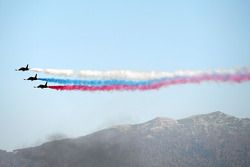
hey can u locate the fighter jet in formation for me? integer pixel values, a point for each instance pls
(42, 86)
(32, 78)
(23, 68)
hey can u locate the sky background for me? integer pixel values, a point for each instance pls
(116, 35)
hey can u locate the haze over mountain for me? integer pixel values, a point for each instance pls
(214, 139)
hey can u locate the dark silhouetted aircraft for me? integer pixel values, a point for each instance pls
(23, 68)
(42, 86)
(32, 78)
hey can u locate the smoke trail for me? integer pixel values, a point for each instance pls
(133, 75)
(66, 73)
(100, 82)
(233, 78)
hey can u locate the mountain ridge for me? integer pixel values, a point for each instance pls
(214, 139)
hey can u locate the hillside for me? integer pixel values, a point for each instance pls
(214, 139)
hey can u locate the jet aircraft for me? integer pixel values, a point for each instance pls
(23, 68)
(32, 78)
(42, 86)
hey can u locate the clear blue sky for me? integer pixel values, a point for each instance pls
(112, 35)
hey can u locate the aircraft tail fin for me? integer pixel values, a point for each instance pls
(46, 84)
(36, 76)
(27, 66)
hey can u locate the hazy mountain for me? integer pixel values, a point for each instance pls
(214, 139)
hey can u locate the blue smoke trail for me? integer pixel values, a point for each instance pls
(101, 82)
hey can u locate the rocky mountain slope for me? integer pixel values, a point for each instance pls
(214, 139)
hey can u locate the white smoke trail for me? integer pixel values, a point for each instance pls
(66, 73)
(135, 75)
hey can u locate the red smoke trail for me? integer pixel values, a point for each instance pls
(233, 78)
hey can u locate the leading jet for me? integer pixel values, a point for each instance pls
(42, 86)
(23, 68)
(32, 78)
